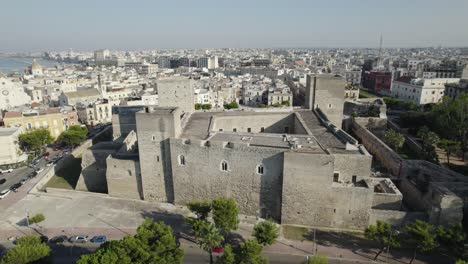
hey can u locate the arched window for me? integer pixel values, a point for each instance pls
(260, 169)
(181, 160)
(224, 165)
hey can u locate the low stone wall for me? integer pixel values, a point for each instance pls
(397, 218)
(71, 193)
(386, 201)
(389, 158)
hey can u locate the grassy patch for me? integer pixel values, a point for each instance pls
(67, 176)
(366, 94)
(295, 232)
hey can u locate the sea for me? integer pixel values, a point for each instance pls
(19, 64)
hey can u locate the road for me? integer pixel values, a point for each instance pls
(20, 173)
(69, 253)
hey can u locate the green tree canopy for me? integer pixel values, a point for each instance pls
(201, 209)
(382, 234)
(36, 219)
(228, 256)
(29, 249)
(452, 239)
(225, 212)
(74, 135)
(266, 232)
(394, 139)
(250, 253)
(429, 139)
(231, 105)
(421, 236)
(153, 243)
(209, 238)
(451, 117)
(33, 140)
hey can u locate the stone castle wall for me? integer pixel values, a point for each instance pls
(201, 178)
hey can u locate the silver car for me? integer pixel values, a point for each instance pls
(78, 239)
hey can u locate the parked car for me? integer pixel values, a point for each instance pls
(44, 239)
(59, 239)
(24, 180)
(4, 193)
(2, 181)
(98, 239)
(32, 175)
(6, 170)
(50, 163)
(39, 170)
(78, 239)
(15, 187)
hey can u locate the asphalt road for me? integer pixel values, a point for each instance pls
(18, 174)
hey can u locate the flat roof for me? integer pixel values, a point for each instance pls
(198, 127)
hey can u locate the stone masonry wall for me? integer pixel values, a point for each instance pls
(311, 198)
(124, 178)
(201, 178)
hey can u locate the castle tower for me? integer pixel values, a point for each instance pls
(326, 92)
(155, 126)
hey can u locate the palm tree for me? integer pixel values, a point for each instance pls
(210, 238)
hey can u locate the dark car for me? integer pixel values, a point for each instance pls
(98, 239)
(59, 239)
(15, 187)
(2, 181)
(44, 239)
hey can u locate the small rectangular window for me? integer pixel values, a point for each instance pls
(153, 138)
(262, 129)
(336, 177)
(157, 158)
(249, 129)
(234, 129)
(354, 178)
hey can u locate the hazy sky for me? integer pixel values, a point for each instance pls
(38, 25)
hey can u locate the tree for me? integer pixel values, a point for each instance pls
(231, 105)
(209, 238)
(452, 238)
(421, 237)
(198, 106)
(382, 234)
(74, 135)
(250, 253)
(224, 212)
(394, 139)
(36, 219)
(451, 119)
(266, 232)
(429, 139)
(153, 243)
(449, 146)
(228, 256)
(317, 259)
(206, 106)
(29, 249)
(33, 140)
(201, 209)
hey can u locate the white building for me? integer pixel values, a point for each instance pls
(10, 152)
(12, 94)
(421, 91)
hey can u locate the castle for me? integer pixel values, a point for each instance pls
(296, 166)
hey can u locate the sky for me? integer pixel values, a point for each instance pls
(41, 25)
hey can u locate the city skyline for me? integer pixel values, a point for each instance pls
(117, 25)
